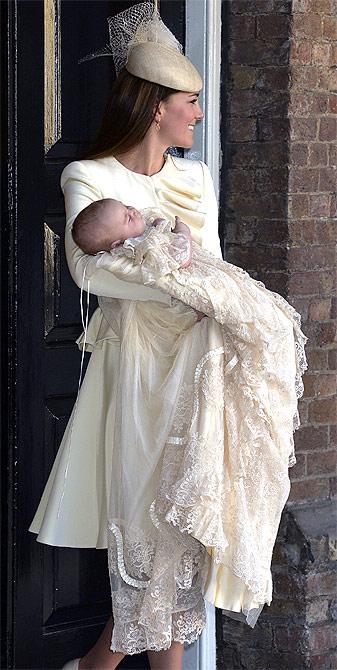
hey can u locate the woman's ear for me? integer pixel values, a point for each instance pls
(159, 112)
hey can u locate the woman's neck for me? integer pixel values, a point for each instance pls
(146, 158)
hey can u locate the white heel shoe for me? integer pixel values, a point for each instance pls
(72, 665)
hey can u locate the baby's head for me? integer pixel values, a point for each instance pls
(104, 224)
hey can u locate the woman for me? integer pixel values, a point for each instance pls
(154, 105)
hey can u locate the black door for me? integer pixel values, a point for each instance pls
(55, 601)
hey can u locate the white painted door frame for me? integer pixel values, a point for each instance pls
(203, 47)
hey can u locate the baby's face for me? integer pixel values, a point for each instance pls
(126, 221)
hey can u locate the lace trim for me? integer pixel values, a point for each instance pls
(137, 583)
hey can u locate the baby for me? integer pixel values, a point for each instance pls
(106, 224)
(225, 391)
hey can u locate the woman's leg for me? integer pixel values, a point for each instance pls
(170, 659)
(99, 657)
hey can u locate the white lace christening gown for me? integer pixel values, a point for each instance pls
(205, 417)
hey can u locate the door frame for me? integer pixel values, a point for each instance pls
(203, 47)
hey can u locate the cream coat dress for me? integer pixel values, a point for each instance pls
(73, 509)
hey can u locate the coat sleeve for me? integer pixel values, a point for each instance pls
(79, 190)
(210, 235)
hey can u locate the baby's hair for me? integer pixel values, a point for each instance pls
(89, 231)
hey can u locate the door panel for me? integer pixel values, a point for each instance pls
(57, 599)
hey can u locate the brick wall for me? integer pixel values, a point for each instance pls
(279, 181)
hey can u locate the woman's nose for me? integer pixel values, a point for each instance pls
(199, 113)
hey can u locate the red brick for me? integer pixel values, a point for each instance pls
(301, 52)
(298, 206)
(241, 181)
(333, 205)
(328, 179)
(311, 438)
(273, 77)
(328, 129)
(303, 231)
(272, 231)
(321, 583)
(323, 411)
(311, 283)
(299, 154)
(307, 25)
(271, 180)
(319, 103)
(288, 584)
(303, 180)
(320, 310)
(242, 130)
(272, 25)
(333, 154)
(262, 102)
(326, 385)
(318, 153)
(301, 305)
(332, 105)
(269, 129)
(329, 28)
(320, 333)
(323, 637)
(326, 231)
(301, 6)
(282, 6)
(303, 407)
(317, 610)
(242, 27)
(321, 53)
(257, 52)
(309, 489)
(333, 55)
(319, 205)
(332, 359)
(312, 257)
(243, 76)
(309, 382)
(333, 307)
(322, 463)
(317, 359)
(333, 436)
(290, 637)
(332, 76)
(299, 469)
(321, 662)
(272, 205)
(303, 129)
(251, 7)
(323, 6)
(305, 76)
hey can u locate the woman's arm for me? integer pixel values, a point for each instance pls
(80, 190)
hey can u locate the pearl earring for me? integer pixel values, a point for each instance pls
(157, 126)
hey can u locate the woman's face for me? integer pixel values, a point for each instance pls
(178, 115)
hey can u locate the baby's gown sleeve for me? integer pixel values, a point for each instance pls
(79, 190)
(146, 259)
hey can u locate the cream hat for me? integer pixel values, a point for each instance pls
(140, 42)
(162, 65)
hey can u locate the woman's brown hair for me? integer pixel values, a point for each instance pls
(129, 112)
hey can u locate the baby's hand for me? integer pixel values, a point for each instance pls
(156, 221)
(181, 227)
